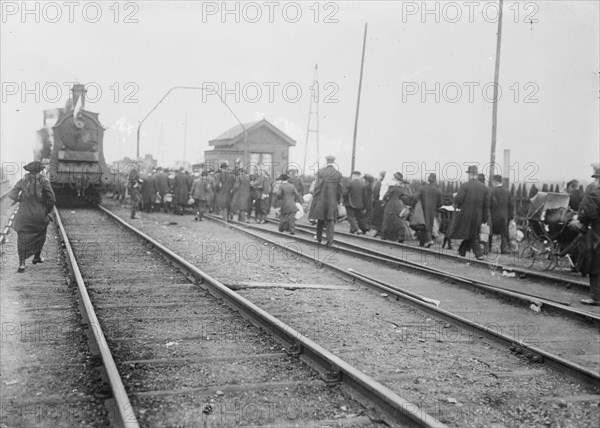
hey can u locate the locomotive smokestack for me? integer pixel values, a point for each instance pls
(79, 91)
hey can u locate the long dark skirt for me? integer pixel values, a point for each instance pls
(287, 222)
(377, 221)
(395, 229)
(29, 244)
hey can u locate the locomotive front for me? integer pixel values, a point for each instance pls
(77, 166)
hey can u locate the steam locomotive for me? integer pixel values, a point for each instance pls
(73, 150)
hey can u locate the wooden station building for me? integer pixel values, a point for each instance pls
(268, 146)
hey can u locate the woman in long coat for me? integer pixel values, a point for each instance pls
(288, 195)
(36, 199)
(199, 193)
(396, 198)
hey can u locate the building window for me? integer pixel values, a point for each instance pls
(264, 160)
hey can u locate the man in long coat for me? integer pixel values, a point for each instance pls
(262, 191)
(502, 212)
(148, 192)
(224, 182)
(589, 216)
(288, 195)
(473, 201)
(327, 194)
(199, 193)
(378, 204)
(353, 198)
(240, 201)
(431, 201)
(162, 184)
(180, 191)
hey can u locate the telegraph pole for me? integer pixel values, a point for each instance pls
(362, 62)
(495, 105)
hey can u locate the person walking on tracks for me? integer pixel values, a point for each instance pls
(224, 182)
(473, 201)
(289, 196)
(502, 212)
(588, 218)
(354, 200)
(431, 201)
(36, 199)
(327, 195)
(199, 193)
(240, 200)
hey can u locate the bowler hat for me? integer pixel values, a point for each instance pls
(34, 167)
(596, 167)
(472, 169)
(497, 178)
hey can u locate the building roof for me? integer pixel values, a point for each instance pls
(236, 133)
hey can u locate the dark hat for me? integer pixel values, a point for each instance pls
(596, 167)
(432, 178)
(398, 176)
(481, 177)
(330, 158)
(356, 173)
(497, 178)
(224, 165)
(34, 167)
(472, 169)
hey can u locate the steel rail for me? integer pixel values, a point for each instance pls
(509, 268)
(558, 363)
(524, 298)
(400, 409)
(125, 415)
(11, 220)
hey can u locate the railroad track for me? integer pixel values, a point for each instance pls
(177, 351)
(4, 233)
(487, 316)
(421, 254)
(550, 291)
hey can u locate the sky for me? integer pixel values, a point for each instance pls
(427, 89)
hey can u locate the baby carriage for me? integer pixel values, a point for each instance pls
(549, 243)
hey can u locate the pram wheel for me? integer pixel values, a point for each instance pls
(537, 255)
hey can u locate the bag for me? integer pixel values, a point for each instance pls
(512, 230)
(435, 231)
(417, 220)
(341, 213)
(168, 197)
(300, 213)
(484, 232)
(191, 201)
(404, 213)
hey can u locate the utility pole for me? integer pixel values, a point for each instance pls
(495, 105)
(184, 136)
(314, 102)
(362, 63)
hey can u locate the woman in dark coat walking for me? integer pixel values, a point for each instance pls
(396, 199)
(36, 199)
